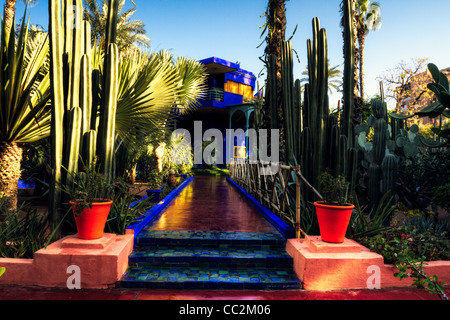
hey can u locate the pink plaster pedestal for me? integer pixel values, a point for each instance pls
(101, 263)
(349, 265)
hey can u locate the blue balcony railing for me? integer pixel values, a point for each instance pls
(214, 94)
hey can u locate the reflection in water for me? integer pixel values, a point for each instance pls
(210, 203)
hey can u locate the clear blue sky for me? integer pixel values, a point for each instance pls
(230, 30)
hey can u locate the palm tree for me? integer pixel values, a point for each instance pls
(334, 77)
(10, 10)
(276, 32)
(368, 18)
(24, 94)
(130, 33)
(151, 87)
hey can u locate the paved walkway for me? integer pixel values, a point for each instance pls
(210, 237)
(210, 203)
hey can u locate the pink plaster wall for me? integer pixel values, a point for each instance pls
(102, 262)
(323, 266)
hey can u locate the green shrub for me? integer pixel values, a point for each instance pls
(24, 231)
(431, 245)
(441, 196)
(122, 215)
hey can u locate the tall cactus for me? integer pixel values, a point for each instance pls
(291, 103)
(74, 86)
(383, 169)
(316, 96)
(57, 89)
(349, 69)
(389, 172)
(107, 132)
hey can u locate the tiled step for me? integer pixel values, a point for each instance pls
(158, 237)
(188, 277)
(213, 255)
(210, 260)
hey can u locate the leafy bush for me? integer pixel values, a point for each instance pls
(126, 210)
(210, 172)
(24, 231)
(154, 179)
(420, 175)
(122, 214)
(430, 244)
(411, 267)
(364, 224)
(422, 224)
(441, 196)
(334, 190)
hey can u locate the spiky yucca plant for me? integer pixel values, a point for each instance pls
(24, 95)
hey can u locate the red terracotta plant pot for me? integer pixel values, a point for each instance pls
(333, 221)
(91, 221)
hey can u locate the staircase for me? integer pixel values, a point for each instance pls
(165, 259)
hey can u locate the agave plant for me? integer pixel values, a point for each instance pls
(24, 95)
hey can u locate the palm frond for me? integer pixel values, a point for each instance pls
(192, 83)
(147, 92)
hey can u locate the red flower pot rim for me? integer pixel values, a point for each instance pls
(324, 205)
(93, 201)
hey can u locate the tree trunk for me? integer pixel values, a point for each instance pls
(10, 11)
(10, 157)
(277, 28)
(361, 41)
(357, 100)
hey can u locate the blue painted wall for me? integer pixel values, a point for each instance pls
(218, 80)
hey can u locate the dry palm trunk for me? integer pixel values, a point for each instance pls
(277, 30)
(358, 100)
(10, 157)
(10, 11)
(361, 40)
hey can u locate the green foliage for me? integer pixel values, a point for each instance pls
(439, 108)
(89, 185)
(130, 33)
(122, 214)
(24, 87)
(2, 271)
(441, 196)
(430, 245)
(335, 191)
(210, 172)
(145, 163)
(426, 222)
(23, 234)
(418, 176)
(411, 267)
(155, 180)
(178, 156)
(367, 224)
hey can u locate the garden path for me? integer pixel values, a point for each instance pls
(210, 203)
(210, 237)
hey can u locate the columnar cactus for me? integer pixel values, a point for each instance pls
(349, 69)
(316, 97)
(381, 164)
(74, 88)
(291, 111)
(375, 176)
(389, 172)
